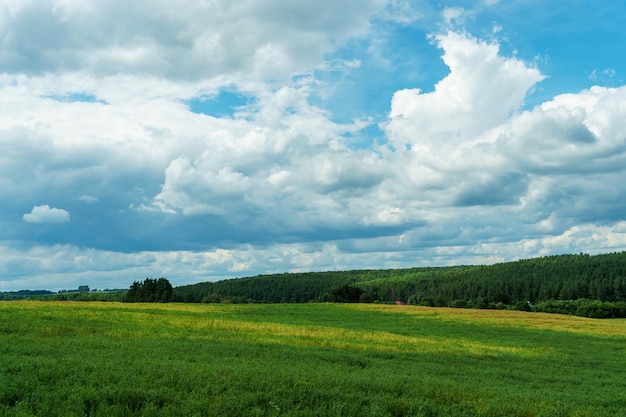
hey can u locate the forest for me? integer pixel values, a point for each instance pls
(592, 286)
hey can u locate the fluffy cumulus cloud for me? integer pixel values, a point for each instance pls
(46, 214)
(96, 115)
(481, 92)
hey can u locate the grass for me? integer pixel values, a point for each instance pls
(111, 359)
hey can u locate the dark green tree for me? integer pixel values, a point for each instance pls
(150, 291)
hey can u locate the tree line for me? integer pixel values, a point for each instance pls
(573, 284)
(64, 295)
(592, 286)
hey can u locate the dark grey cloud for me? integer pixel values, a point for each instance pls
(505, 189)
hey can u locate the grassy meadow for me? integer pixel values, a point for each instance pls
(112, 359)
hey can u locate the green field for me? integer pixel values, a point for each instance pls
(111, 359)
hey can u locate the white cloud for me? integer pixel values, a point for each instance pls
(290, 151)
(573, 133)
(46, 214)
(88, 199)
(602, 75)
(481, 92)
(453, 14)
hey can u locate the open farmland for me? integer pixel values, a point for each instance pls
(111, 359)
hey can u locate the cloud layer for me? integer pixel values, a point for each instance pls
(95, 117)
(187, 40)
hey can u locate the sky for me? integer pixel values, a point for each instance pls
(203, 140)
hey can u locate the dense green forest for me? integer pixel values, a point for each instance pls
(587, 285)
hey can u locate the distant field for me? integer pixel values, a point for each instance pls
(111, 359)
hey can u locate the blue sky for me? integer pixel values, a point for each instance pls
(202, 141)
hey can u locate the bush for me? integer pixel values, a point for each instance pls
(584, 307)
(345, 294)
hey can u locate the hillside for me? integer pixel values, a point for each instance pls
(554, 282)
